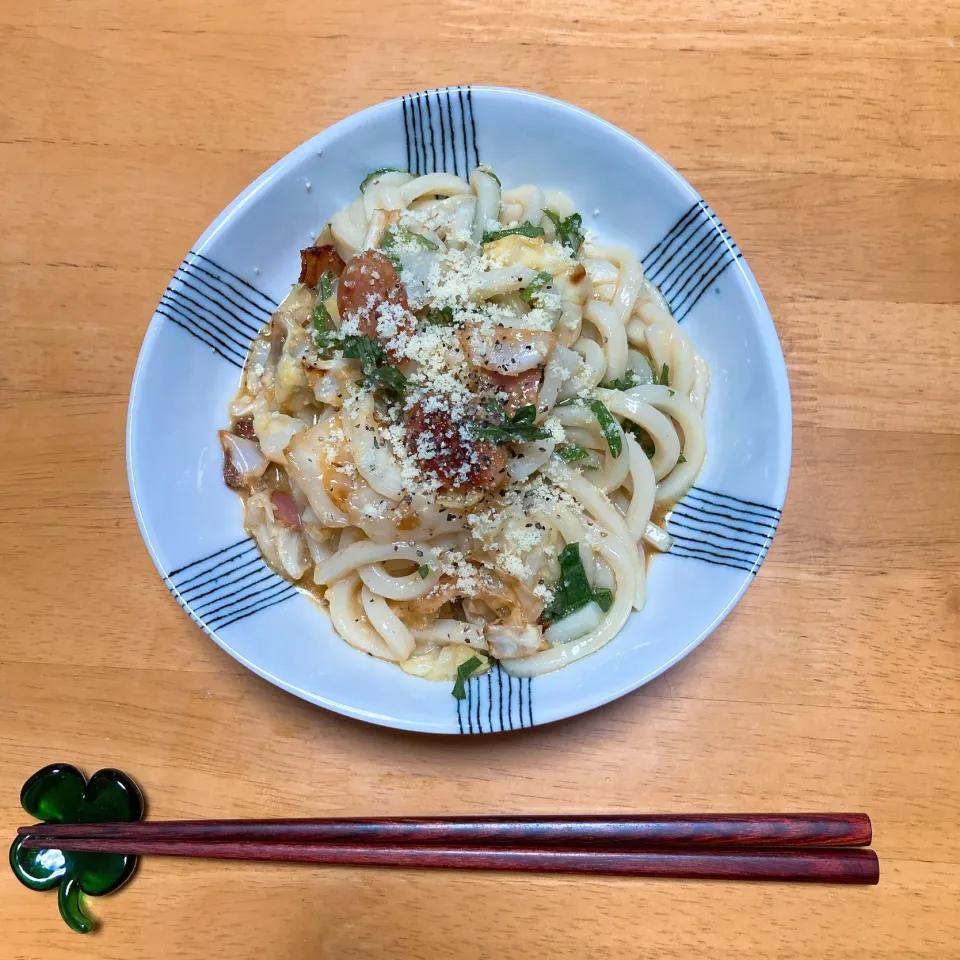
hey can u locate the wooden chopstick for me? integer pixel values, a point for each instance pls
(813, 866)
(694, 830)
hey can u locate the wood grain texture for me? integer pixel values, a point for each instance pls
(826, 135)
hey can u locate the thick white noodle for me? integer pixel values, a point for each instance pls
(487, 212)
(393, 630)
(351, 486)
(530, 199)
(365, 553)
(682, 410)
(644, 489)
(632, 406)
(621, 558)
(614, 334)
(350, 621)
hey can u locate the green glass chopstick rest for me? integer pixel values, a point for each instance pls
(59, 793)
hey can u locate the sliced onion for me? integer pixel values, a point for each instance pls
(509, 642)
(561, 366)
(658, 538)
(452, 631)
(511, 351)
(575, 625)
(246, 456)
(275, 431)
(415, 270)
(532, 456)
(292, 552)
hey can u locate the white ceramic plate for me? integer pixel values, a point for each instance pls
(243, 266)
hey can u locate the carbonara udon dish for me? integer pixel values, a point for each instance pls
(462, 429)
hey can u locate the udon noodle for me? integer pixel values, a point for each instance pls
(458, 426)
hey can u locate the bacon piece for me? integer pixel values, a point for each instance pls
(522, 389)
(244, 428)
(368, 281)
(285, 510)
(231, 475)
(456, 461)
(316, 261)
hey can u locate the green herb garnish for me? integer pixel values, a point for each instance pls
(642, 437)
(377, 371)
(525, 414)
(510, 433)
(396, 235)
(526, 229)
(326, 287)
(572, 452)
(519, 428)
(489, 173)
(439, 317)
(424, 571)
(573, 590)
(664, 376)
(325, 338)
(496, 408)
(464, 672)
(608, 426)
(626, 382)
(537, 285)
(569, 229)
(375, 174)
(681, 459)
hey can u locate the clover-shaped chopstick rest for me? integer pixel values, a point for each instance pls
(59, 793)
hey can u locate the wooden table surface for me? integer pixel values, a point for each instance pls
(826, 135)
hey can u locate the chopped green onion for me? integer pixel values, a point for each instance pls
(572, 452)
(397, 235)
(376, 173)
(665, 376)
(569, 229)
(608, 426)
(424, 571)
(490, 174)
(464, 672)
(537, 285)
(681, 459)
(573, 590)
(526, 229)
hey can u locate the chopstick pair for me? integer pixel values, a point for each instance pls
(824, 848)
